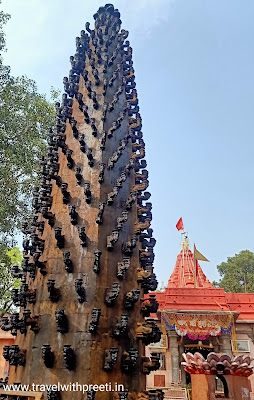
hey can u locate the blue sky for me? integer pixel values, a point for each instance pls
(194, 63)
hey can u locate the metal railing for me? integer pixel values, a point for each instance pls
(175, 393)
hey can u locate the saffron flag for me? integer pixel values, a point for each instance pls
(179, 225)
(199, 256)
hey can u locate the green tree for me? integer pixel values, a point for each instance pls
(237, 273)
(4, 70)
(162, 287)
(25, 118)
(8, 257)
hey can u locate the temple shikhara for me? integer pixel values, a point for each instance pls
(195, 317)
(89, 313)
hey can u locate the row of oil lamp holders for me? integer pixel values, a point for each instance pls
(64, 112)
(74, 216)
(16, 357)
(153, 394)
(145, 275)
(101, 47)
(22, 296)
(66, 196)
(147, 332)
(144, 224)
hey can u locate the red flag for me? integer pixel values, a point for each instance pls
(179, 225)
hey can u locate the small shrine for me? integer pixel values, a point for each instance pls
(197, 317)
(232, 373)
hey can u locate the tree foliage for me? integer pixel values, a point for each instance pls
(4, 70)
(25, 118)
(237, 273)
(162, 287)
(8, 257)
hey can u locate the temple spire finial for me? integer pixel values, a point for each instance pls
(185, 243)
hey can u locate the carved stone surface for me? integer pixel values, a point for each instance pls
(54, 293)
(96, 312)
(28, 320)
(149, 306)
(69, 357)
(131, 298)
(148, 332)
(112, 239)
(82, 236)
(73, 214)
(67, 262)
(52, 395)
(121, 326)
(80, 290)
(129, 360)
(14, 355)
(110, 358)
(59, 238)
(150, 364)
(47, 356)
(112, 294)
(122, 267)
(61, 321)
(96, 264)
(100, 213)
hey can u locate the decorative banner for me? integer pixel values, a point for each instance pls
(198, 326)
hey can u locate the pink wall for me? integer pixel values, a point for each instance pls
(6, 339)
(251, 354)
(166, 373)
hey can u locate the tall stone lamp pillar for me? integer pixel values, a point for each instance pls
(88, 245)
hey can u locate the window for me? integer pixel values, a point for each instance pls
(159, 380)
(162, 361)
(162, 344)
(243, 346)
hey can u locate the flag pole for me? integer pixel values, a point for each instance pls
(194, 266)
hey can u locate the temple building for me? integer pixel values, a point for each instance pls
(197, 317)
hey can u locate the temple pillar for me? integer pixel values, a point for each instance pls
(215, 342)
(216, 348)
(183, 373)
(225, 346)
(174, 351)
